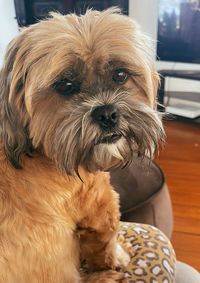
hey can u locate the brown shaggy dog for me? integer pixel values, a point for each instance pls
(77, 96)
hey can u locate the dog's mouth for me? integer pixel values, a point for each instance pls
(110, 138)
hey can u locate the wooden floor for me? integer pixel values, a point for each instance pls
(180, 161)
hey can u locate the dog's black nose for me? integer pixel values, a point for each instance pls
(106, 116)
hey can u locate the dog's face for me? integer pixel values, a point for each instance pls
(81, 90)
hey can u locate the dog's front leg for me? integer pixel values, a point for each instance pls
(98, 233)
(102, 254)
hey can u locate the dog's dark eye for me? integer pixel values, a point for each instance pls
(120, 76)
(66, 87)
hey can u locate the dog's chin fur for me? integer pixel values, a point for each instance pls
(47, 129)
(108, 156)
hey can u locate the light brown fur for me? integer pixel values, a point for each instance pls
(56, 203)
(40, 212)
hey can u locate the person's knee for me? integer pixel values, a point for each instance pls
(154, 258)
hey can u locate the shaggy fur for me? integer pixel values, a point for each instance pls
(56, 203)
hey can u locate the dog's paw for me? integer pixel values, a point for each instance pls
(122, 257)
(123, 253)
(126, 245)
(107, 276)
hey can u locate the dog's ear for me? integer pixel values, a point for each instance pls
(13, 116)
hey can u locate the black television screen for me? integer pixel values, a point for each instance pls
(30, 11)
(179, 31)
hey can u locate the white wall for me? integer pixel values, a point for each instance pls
(146, 14)
(8, 25)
